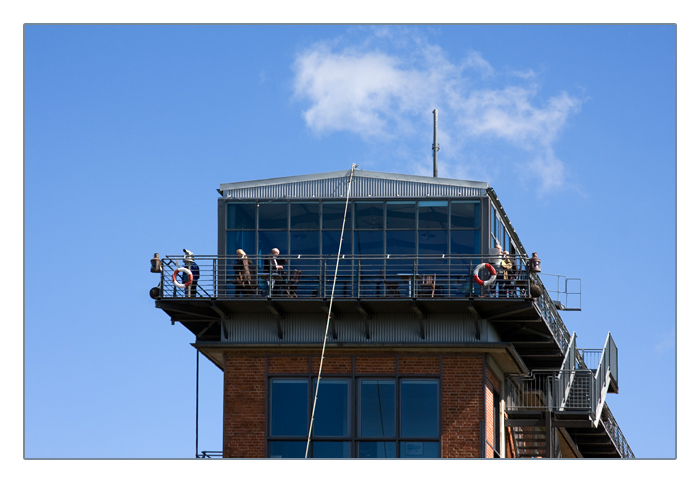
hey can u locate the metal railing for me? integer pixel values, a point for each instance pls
(211, 454)
(384, 276)
(574, 388)
(550, 314)
(551, 391)
(615, 434)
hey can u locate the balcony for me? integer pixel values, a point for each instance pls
(418, 286)
(355, 277)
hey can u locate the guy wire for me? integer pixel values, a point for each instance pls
(330, 307)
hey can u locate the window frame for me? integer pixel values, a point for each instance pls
(354, 438)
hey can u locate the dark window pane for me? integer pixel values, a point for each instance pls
(465, 242)
(332, 215)
(377, 449)
(240, 239)
(272, 216)
(287, 449)
(369, 215)
(331, 449)
(331, 240)
(304, 216)
(466, 214)
(289, 407)
(419, 408)
(432, 242)
(400, 215)
(303, 243)
(401, 242)
(420, 449)
(332, 417)
(432, 215)
(267, 240)
(240, 216)
(369, 242)
(377, 415)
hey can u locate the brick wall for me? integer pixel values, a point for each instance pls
(462, 405)
(244, 406)
(463, 394)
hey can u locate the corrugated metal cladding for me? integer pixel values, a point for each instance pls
(386, 329)
(361, 188)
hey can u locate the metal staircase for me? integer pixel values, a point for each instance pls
(543, 405)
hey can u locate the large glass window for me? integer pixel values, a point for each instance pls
(369, 242)
(303, 243)
(289, 399)
(377, 412)
(465, 214)
(333, 213)
(240, 216)
(432, 215)
(375, 418)
(401, 242)
(369, 215)
(400, 215)
(379, 418)
(272, 216)
(332, 417)
(267, 240)
(419, 408)
(304, 215)
(424, 227)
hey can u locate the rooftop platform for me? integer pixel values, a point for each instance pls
(425, 296)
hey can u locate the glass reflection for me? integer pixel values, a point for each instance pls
(369, 215)
(332, 215)
(332, 417)
(420, 449)
(466, 214)
(240, 216)
(272, 216)
(377, 449)
(287, 449)
(304, 215)
(432, 215)
(331, 449)
(289, 407)
(419, 408)
(377, 414)
(400, 215)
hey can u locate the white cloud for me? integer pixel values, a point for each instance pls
(389, 92)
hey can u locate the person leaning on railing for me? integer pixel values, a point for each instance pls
(507, 266)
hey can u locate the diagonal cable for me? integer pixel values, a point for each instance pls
(330, 307)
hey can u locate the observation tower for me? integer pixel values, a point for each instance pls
(392, 289)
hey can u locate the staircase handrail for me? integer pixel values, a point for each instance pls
(604, 375)
(565, 378)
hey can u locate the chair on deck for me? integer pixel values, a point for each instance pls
(427, 285)
(392, 286)
(293, 283)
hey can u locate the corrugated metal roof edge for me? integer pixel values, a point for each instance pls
(358, 173)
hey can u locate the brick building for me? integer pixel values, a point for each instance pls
(433, 348)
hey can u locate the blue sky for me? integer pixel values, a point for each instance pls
(130, 129)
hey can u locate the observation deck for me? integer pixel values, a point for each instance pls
(421, 288)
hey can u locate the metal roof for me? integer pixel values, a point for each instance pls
(367, 184)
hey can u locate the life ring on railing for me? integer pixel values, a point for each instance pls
(189, 277)
(488, 267)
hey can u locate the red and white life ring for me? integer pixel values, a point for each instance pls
(488, 267)
(189, 277)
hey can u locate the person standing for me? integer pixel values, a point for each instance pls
(242, 278)
(507, 267)
(192, 266)
(273, 270)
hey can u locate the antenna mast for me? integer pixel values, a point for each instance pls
(436, 146)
